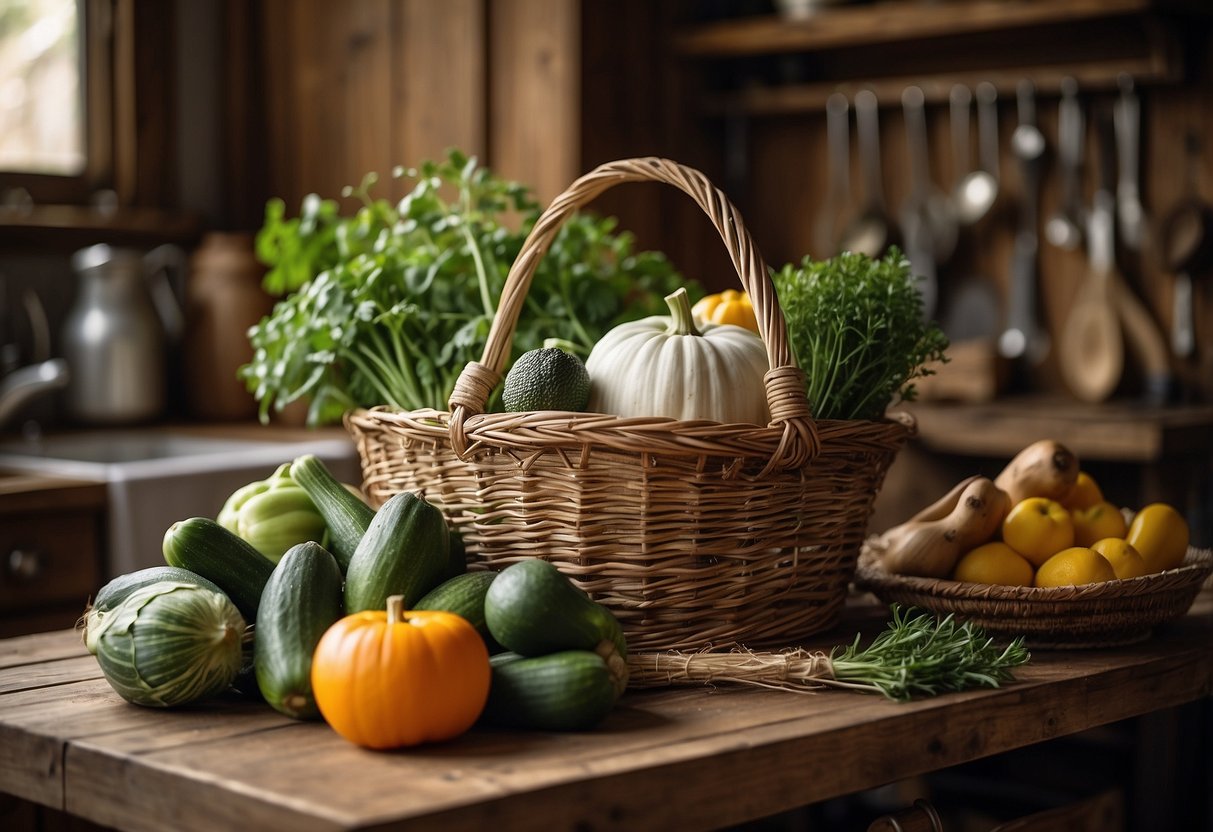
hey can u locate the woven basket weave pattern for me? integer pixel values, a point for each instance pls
(1092, 615)
(692, 533)
(683, 556)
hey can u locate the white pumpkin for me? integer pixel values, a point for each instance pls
(667, 366)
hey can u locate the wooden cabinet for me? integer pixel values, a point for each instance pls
(51, 544)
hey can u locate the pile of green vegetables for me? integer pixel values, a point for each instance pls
(387, 306)
(857, 329)
(270, 599)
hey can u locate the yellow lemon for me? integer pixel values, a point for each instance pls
(1038, 528)
(1084, 493)
(1073, 567)
(1097, 522)
(1125, 560)
(994, 563)
(1160, 534)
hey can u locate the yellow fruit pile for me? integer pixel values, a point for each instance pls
(1079, 538)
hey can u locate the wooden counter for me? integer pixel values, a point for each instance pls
(671, 759)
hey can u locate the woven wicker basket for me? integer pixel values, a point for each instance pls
(1094, 615)
(692, 533)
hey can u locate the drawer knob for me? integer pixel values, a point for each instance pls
(24, 564)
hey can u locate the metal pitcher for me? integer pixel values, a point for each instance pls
(118, 331)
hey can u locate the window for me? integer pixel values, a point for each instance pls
(57, 117)
(42, 88)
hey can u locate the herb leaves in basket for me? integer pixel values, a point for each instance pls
(857, 328)
(387, 305)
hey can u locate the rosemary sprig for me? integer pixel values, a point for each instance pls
(917, 655)
(921, 655)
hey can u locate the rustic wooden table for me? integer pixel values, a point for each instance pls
(669, 759)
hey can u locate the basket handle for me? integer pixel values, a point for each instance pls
(785, 382)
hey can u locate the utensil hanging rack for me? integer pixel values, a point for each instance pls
(994, 41)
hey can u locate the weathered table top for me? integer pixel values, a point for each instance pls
(679, 758)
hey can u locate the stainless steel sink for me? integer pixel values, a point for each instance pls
(155, 477)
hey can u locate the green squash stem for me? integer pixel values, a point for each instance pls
(682, 322)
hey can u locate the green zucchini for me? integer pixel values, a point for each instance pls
(202, 546)
(301, 600)
(457, 563)
(534, 609)
(345, 514)
(117, 590)
(464, 595)
(571, 690)
(405, 551)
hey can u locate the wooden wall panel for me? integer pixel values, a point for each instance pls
(534, 99)
(440, 83)
(328, 71)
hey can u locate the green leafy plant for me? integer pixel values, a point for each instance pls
(387, 305)
(857, 328)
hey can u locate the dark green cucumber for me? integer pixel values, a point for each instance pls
(346, 516)
(533, 609)
(301, 600)
(204, 547)
(464, 596)
(571, 690)
(405, 551)
(117, 590)
(457, 563)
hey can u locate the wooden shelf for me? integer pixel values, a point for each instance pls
(878, 47)
(1121, 431)
(73, 225)
(1161, 67)
(900, 21)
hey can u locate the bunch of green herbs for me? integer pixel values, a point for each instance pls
(857, 329)
(920, 655)
(387, 305)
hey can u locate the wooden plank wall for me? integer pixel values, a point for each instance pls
(357, 87)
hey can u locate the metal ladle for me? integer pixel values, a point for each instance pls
(838, 194)
(1187, 247)
(871, 231)
(1064, 228)
(1024, 336)
(978, 189)
(928, 220)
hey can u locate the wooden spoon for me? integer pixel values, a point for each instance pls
(1092, 346)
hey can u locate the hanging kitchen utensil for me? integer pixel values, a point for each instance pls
(1130, 214)
(1187, 248)
(1023, 337)
(1091, 346)
(971, 309)
(872, 231)
(927, 220)
(1064, 228)
(838, 194)
(977, 191)
(960, 102)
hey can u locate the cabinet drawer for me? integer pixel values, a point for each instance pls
(48, 558)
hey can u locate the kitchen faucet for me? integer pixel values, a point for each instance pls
(25, 384)
(21, 385)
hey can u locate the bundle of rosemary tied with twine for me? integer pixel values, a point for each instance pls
(916, 655)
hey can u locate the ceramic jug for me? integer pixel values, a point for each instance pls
(117, 333)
